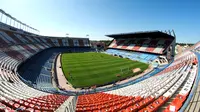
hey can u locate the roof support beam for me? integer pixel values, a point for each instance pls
(18, 23)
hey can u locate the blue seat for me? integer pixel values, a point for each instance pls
(143, 57)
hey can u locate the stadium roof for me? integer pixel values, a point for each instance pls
(13, 18)
(146, 34)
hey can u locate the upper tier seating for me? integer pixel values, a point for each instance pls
(144, 45)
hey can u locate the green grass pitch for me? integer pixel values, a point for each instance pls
(89, 69)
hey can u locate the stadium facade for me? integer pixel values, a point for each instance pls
(27, 59)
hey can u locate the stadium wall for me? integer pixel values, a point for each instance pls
(55, 71)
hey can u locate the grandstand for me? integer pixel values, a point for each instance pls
(144, 46)
(29, 82)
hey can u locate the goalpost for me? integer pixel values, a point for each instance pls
(125, 70)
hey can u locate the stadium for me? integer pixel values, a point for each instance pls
(137, 72)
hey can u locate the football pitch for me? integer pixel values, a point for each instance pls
(90, 69)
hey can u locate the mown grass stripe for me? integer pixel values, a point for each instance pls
(91, 62)
(101, 70)
(98, 66)
(88, 69)
(86, 61)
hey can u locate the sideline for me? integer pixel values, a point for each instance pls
(62, 81)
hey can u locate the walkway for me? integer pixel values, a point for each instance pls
(194, 105)
(62, 81)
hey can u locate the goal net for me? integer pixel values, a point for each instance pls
(125, 70)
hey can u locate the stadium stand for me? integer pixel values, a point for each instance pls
(17, 48)
(144, 46)
(143, 57)
(147, 95)
(27, 59)
(130, 100)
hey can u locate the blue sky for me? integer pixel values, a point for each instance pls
(100, 17)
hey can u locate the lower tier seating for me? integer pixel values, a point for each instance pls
(19, 96)
(148, 95)
(143, 57)
(40, 67)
